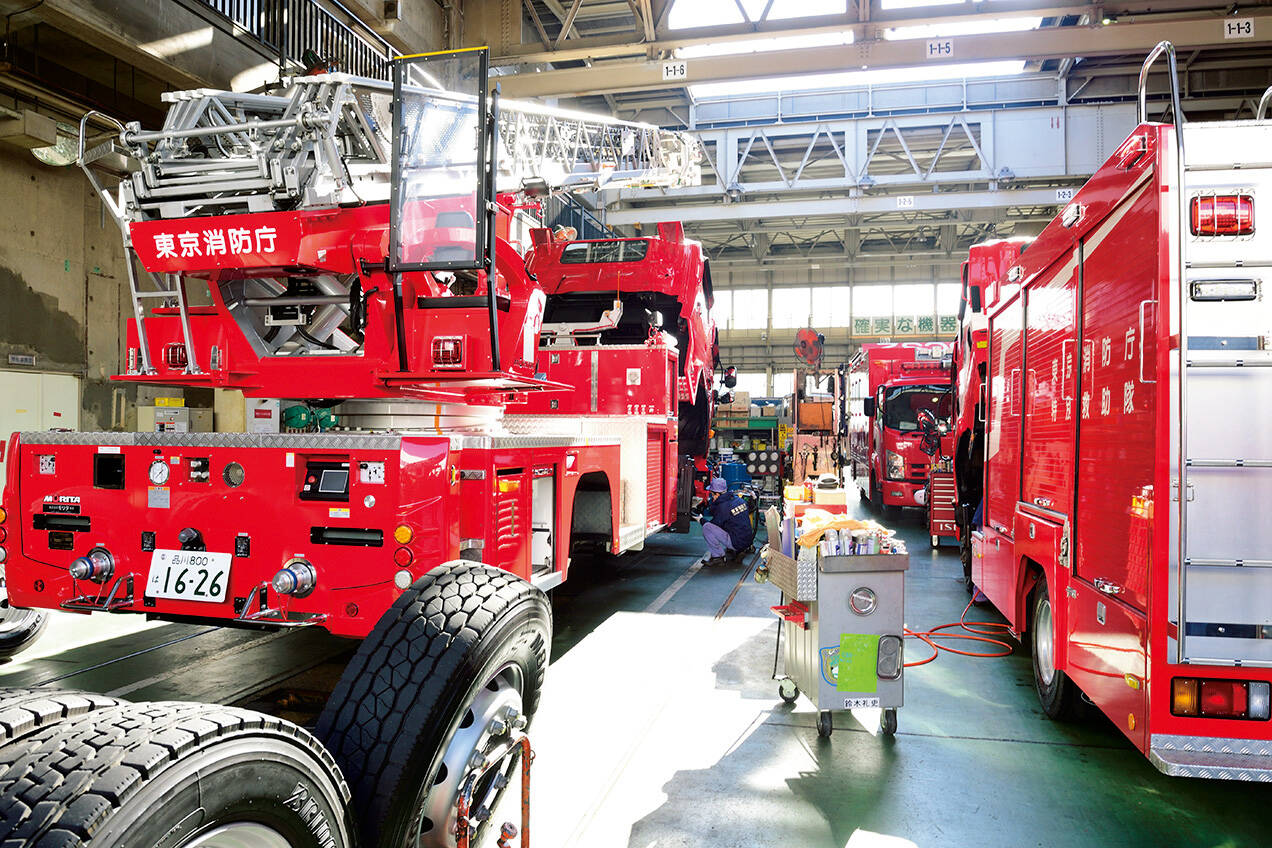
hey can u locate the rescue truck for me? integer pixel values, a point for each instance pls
(1125, 463)
(341, 239)
(888, 384)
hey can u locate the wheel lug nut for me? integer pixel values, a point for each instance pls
(498, 727)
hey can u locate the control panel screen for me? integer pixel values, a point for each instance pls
(333, 482)
(325, 480)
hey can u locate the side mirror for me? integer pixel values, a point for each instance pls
(724, 397)
(931, 443)
(730, 378)
(927, 421)
(868, 407)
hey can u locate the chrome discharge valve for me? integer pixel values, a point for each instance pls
(297, 578)
(97, 565)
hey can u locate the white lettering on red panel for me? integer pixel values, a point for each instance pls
(220, 242)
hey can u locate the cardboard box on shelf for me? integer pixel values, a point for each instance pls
(754, 410)
(742, 400)
(768, 411)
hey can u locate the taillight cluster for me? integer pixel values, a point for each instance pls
(448, 352)
(1243, 699)
(1223, 215)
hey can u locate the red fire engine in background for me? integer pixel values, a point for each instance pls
(1125, 468)
(340, 240)
(986, 261)
(889, 383)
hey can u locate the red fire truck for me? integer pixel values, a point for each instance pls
(889, 383)
(341, 239)
(986, 261)
(1122, 529)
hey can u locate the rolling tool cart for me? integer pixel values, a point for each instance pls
(843, 628)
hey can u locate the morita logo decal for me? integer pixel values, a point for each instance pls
(65, 499)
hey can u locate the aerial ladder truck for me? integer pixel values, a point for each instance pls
(351, 241)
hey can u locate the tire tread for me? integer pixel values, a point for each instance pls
(61, 785)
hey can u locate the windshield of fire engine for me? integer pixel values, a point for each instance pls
(901, 405)
(438, 173)
(617, 250)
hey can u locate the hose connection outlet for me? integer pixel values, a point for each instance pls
(97, 565)
(297, 578)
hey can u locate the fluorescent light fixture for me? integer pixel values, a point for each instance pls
(953, 28)
(856, 79)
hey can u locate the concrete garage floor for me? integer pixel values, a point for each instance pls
(660, 725)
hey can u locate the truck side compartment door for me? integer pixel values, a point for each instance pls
(995, 572)
(1112, 550)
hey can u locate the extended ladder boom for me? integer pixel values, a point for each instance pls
(326, 140)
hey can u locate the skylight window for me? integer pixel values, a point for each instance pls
(761, 45)
(952, 28)
(851, 79)
(686, 14)
(915, 4)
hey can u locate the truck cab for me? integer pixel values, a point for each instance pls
(986, 268)
(889, 385)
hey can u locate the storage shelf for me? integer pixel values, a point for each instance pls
(745, 424)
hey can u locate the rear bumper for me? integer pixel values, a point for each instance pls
(1212, 757)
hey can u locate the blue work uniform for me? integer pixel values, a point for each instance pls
(730, 514)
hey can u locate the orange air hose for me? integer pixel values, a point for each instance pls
(973, 634)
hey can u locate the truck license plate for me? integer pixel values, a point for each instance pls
(188, 575)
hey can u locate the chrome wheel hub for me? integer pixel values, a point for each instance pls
(13, 618)
(495, 712)
(1045, 643)
(241, 835)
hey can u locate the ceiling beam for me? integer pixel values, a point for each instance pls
(600, 47)
(1132, 36)
(867, 204)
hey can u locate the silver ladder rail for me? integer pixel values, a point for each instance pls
(116, 207)
(1165, 48)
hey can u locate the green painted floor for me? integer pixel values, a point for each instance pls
(660, 725)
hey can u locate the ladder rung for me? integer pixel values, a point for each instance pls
(1238, 166)
(1231, 662)
(1240, 263)
(156, 294)
(1229, 362)
(1228, 563)
(1229, 463)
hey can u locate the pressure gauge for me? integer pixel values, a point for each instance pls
(158, 472)
(863, 601)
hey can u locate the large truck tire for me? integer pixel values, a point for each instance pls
(965, 556)
(24, 711)
(172, 774)
(442, 676)
(19, 627)
(1056, 692)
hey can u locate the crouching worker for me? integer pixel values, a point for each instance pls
(726, 524)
